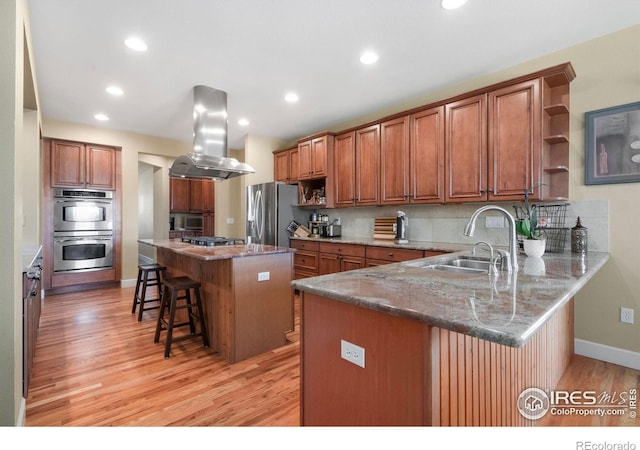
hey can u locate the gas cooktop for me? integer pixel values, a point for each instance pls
(211, 241)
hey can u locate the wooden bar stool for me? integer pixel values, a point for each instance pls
(172, 289)
(144, 281)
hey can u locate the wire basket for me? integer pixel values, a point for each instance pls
(551, 221)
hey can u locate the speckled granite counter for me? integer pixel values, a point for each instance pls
(217, 252)
(507, 310)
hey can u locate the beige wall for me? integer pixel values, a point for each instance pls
(19, 125)
(608, 74)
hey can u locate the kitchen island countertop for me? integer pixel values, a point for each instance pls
(508, 309)
(215, 252)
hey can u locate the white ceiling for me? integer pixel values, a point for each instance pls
(258, 50)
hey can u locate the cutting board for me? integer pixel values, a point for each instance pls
(384, 228)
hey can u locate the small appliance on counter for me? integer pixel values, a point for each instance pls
(401, 228)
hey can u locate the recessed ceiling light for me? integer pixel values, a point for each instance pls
(452, 4)
(368, 58)
(101, 117)
(291, 97)
(243, 122)
(115, 90)
(136, 44)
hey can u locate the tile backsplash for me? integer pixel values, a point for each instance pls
(445, 223)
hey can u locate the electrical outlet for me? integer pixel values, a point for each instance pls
(352, 353)
(264, 276)
(230, 221)
(494, 222)
(626, 315)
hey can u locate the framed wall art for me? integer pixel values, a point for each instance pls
(612, 145)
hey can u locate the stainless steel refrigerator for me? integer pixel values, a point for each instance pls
(270, 209)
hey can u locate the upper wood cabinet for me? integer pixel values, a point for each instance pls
(208, 195)
(285, 165)
(466, 149)
(426, 166)
(394, 161)
(514, 141)
(180, 194)
(313, 155)
(80, 165)
(492, 144)
(368, 165)
(345, 169)
(191, 196)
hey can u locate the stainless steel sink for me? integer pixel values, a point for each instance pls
(469, 265)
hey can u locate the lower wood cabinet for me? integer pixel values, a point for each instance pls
(335, 257)
(305, 259)
(314, 258)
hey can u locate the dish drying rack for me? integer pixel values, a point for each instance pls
(551, 220)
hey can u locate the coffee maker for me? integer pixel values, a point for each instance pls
(401, 228)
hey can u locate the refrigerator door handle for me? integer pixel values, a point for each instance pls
(259, 214)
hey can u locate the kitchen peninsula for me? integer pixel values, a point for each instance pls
(435, 347)
(246, 291)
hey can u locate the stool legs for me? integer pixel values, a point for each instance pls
(170, 297)
(143, 282)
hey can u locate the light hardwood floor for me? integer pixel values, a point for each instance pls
(96, 365)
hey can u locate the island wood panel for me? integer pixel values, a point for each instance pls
(390, 390)
(480, 381)
(244, 317)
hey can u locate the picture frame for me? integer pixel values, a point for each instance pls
(612, 145)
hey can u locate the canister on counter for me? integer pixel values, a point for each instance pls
(579, 238)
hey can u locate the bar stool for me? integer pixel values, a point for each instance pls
(144, 281)
(172, 288)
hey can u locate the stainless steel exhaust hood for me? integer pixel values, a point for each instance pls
(209, 156)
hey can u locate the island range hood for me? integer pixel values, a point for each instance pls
(209, 156)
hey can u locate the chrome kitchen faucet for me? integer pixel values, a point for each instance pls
(512, 256)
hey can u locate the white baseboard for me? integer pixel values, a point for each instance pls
(22, 414)
(128, 283)
(606, 353)
(142, 259)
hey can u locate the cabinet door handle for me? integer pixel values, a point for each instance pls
(390, 254)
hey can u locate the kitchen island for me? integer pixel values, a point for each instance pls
(440, 347)
(246, 292)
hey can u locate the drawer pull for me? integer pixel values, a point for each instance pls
(390, 254)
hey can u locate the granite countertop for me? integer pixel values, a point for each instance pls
(217, 252)
(30, 252)
(414, 245)
(507, 309)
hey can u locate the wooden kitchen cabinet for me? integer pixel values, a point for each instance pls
(368, 165)
(466, 149)
(514, 141)
(208, 224)
(191, 196)
(334, 257)
(345, 169)
(305, 259)
(394, 161)
(180, 193)
(285, 165)
(426, 160)
(81, 165)
(313, 156)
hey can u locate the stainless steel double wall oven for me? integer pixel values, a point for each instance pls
(83, 229)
